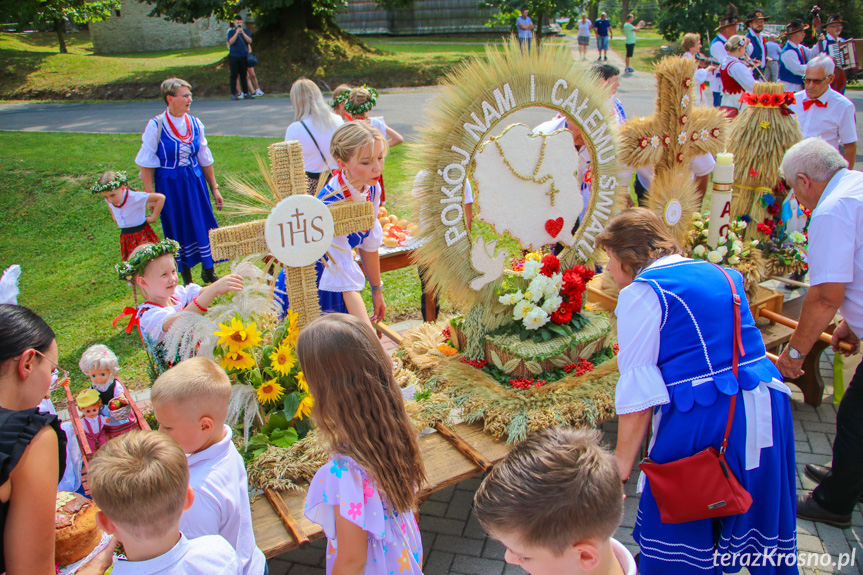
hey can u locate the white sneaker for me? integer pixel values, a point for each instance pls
(259, 92)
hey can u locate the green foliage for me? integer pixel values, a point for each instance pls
(67, 244)
(509, 10)
(41, 12)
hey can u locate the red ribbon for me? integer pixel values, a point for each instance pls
(809, 103)
(133, 321)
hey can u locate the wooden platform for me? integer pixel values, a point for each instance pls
(445, 466)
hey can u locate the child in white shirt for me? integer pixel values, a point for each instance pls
(152, 269)
(190, 401)
(554, 502)
(140, 483)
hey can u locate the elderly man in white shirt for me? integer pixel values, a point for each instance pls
(825, 113)
(821, 181)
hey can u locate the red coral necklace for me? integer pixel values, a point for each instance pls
(185, 138)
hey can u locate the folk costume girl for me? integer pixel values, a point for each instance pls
(736, 76)
(359, 150)
(100, 365)
(364, 497)
(358, 104)
(176, 161)
(129, 210)
(152, 269)
(676, 334)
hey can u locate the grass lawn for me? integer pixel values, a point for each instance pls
(647, 45)
(31, 67)
(67, 244)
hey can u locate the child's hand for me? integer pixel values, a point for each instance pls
(152, 218)
(232, 282)
(102, 561)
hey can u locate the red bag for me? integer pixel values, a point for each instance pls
(701, 486)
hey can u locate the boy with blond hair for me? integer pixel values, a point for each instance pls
(554, 502)
(190, 402)
(140, 482)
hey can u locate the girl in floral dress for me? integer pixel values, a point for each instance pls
(365, 495)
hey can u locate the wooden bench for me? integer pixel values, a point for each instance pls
(445, 465)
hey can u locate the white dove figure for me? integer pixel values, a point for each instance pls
(484, 260)
(528, 186)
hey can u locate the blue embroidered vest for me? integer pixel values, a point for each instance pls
(696, 334)
(168, 150)
(785, 75)
(722, 41)
(757, 48)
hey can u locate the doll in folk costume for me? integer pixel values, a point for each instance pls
(100, 365)
(92, 419)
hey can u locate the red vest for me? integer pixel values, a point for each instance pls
(729, 84)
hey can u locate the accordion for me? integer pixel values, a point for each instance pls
(845, 54)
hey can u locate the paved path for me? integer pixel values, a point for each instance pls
(455, 544)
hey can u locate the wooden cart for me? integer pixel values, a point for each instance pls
(75, 418)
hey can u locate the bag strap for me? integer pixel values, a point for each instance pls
(326, 164)
(160, 123)
(737, 351)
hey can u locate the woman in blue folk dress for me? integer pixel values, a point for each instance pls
(176, 161)
(675, 330)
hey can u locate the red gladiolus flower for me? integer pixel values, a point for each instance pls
(550, 265)
(585, 273)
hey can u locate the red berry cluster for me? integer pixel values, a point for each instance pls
(615, 348)
(477, 363)
(446, 332)
(526, 382)
(580, 368)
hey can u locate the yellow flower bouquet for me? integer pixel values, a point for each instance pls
(269, 373)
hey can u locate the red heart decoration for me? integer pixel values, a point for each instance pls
(553, 227)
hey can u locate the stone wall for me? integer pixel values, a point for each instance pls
(422, 17)
(134, 31)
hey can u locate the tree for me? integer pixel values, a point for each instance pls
(57, 12)
(538, 10)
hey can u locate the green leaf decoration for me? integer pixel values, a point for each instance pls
(292, 402)
(560, 361)
(276, 421)
(546, 335)
(284, 437)
(559, 330)
(495, 359)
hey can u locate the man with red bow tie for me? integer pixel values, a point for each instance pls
(825, 113)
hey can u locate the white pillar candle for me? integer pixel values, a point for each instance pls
(720, 198)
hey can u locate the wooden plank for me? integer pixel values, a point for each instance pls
(286, 516)
(444, 464)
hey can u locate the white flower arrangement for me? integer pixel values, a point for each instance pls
(655, 141)
(730, 249)
(682, 137)
(684, 101)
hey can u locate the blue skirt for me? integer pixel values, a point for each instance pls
(330, 301)
(758, 539)
(187, 216)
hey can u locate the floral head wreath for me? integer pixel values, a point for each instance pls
(340, 99)
(365, 106)
(120, 179)
(139, 260)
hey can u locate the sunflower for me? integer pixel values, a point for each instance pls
(270, 391)
(282, 359)
(302, 385)
(237, 360)
(305, 407)
(293, 332)
(237, 337)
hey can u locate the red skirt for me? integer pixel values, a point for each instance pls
(131, 238)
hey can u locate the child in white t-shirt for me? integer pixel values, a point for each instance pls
(140, 483)
(554, 502)
(129, 210)
(190, 401)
